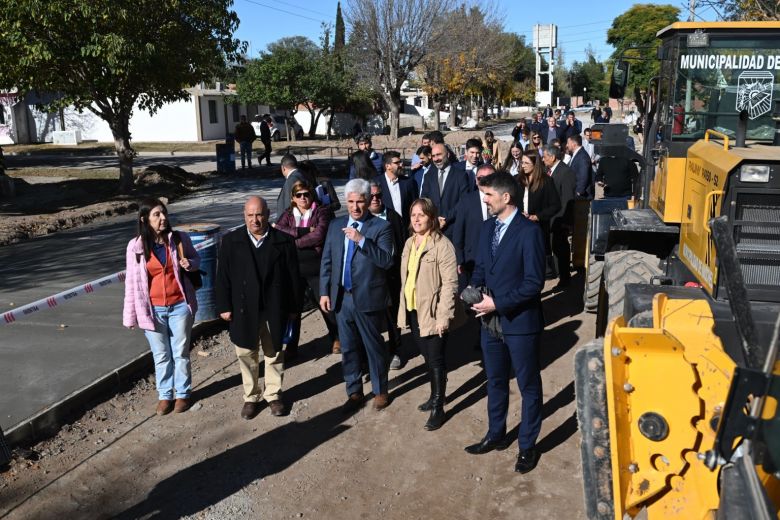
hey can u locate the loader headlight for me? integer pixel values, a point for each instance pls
(754, 173)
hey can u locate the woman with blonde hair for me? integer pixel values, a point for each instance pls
(428, 303)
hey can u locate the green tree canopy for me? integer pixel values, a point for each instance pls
(589, 74)
(636, 29)
(293, 72)
(106, 56)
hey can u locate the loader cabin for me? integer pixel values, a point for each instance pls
(710, 73)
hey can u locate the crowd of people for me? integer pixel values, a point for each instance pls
(453, 242)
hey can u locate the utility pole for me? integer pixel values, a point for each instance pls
(691, 10)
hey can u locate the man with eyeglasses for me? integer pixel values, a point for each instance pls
(398, 191)
(380, 210)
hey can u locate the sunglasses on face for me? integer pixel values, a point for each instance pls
(376, 195)
(302, 194)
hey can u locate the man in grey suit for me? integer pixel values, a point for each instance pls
(565, 182)
(353, 282)
(291, 176)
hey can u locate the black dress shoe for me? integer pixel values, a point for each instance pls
(486, 446)
(527, 460)
(250, 410)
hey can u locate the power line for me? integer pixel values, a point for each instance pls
(302, 8)
(284, 11)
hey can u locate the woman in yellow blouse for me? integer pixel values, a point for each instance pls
(428, 299)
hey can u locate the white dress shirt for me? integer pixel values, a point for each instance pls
(257, 242)
(395, 193)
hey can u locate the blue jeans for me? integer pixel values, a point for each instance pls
(170, 344)
(245, 148)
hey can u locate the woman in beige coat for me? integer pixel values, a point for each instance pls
(428, 302)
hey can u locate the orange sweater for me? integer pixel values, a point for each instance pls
(163, 288)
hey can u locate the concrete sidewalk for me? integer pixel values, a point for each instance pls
(52, 357)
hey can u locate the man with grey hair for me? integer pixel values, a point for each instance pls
(565, 183)
(358, 252)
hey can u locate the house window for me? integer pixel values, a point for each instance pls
(235, 113)
(213, 112)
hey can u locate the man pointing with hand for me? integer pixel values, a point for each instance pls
(358, 251)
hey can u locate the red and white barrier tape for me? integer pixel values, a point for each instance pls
(53, 301)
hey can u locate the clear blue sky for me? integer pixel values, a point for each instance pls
(580, 22)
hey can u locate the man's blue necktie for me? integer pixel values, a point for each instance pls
(348, 262)
(496, 238)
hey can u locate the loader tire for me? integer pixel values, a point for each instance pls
(621, 268)
(590, 295)
(593, 422)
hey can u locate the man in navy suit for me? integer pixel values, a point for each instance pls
(472, 161)
(510, 265)
(398, 191)
(581, 165)
(445, 184)
(358, 252)
(471, 213)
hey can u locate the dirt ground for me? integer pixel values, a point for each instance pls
(120, 460)
(44, 204)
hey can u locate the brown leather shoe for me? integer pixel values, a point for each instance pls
(354, 403)
(250, 410)
(277, 408)
(164, 406)
(336, 347)
(381, 401)
(182, 405)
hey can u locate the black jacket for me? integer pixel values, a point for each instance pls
(240, 279)
(456, 186)
(565, 184)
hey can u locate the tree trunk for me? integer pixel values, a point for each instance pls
(452, 121)
(330, 123)
(314, 119)
(120, 128)
(395, 119)
(436, 113)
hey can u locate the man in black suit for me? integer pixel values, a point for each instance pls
(398, 191)
(358, 252)
(291, 175)
(510, 265)
(445, 185)
(379, 210)
(258, 292)
(471, 161)
(565, 183)
(581, 165)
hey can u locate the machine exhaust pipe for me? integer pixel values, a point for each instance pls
(742, 128)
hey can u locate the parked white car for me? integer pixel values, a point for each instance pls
(279, 129)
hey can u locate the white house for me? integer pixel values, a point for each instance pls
(204, 116)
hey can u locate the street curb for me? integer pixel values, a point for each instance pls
(48, 421)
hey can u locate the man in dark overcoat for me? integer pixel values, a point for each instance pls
(258, 292)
